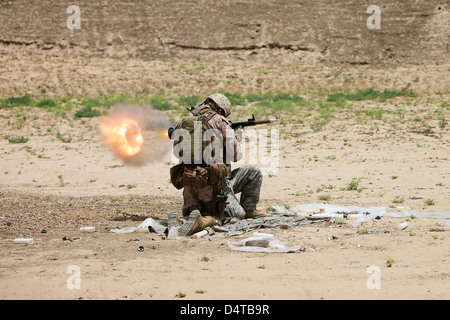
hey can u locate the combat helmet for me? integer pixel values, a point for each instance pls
(222, 102)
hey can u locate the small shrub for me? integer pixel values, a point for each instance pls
(90, 103)
(390, 262)
(46, 103)
(353, 185)
(20, 139)
(376, 113)
(325, 197)
(236, 98)
(159, 102)
(397, 199)
(87, 112)
(25, 100)
(371, 94)
(188, 101)
(64, 139)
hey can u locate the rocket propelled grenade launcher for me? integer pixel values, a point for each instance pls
(235, 125)
(251, 122)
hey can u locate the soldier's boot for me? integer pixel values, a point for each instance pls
(254, 214)
(196, 223)
(173, 220)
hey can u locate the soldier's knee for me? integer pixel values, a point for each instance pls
(255, 172)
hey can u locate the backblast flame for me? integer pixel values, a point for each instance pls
(123, 135)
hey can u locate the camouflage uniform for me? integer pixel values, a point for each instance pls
(194, 198)
(246, 180)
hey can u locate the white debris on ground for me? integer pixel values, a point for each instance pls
(360, 214)
(262, 242)
(280, 216)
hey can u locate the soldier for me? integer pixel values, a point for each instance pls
(206, 203)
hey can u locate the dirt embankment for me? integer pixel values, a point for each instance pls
(410, 32)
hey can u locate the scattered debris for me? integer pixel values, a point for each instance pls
(262, 242)
(123, 230)
(403, 225)
(235, 227)
(316, 211)
(87, 229)
(280, 217)
(199, 234)
(24, 240)
(71, 239)
(444, 222)
(152, 226)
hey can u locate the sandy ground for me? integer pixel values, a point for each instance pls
(60, 187)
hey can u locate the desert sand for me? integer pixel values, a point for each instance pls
(47, 184)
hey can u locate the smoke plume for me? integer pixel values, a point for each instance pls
(153, 125)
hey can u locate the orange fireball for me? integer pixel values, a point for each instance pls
(122, 135)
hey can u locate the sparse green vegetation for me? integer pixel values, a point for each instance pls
(390, 262)
(160, 102)
(90, 103)
(61, 181)
(318, 109)
(46, 103)
(354, 185)
(87, 112)
(236, 98)
(325, 197)
(376, 113)
(62, 138)
(188, 101)
(371, 94)
(25, 100)
(20, 139)
(397, 199)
